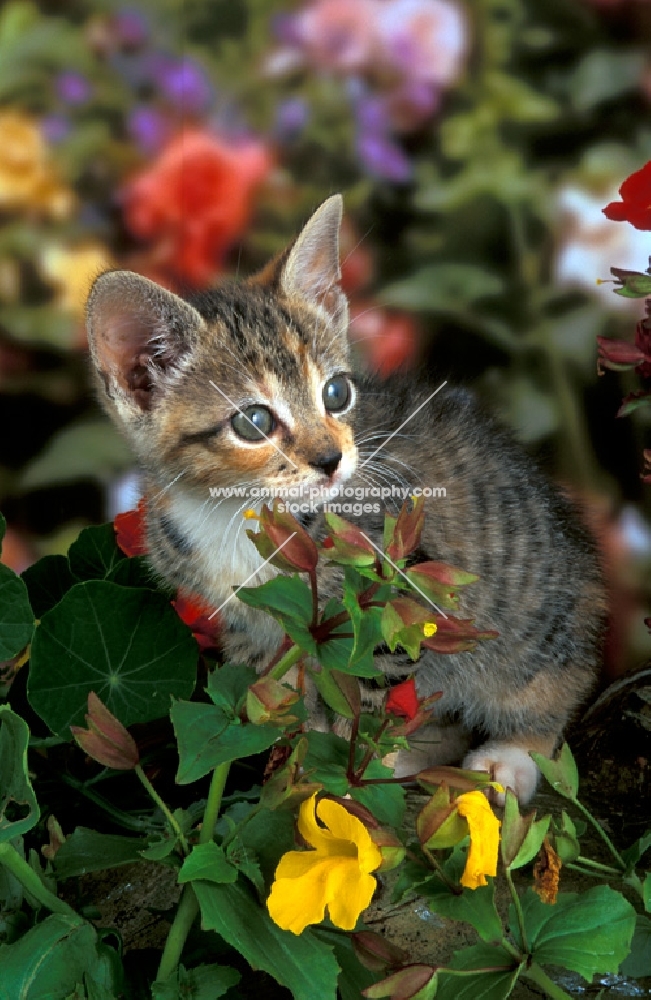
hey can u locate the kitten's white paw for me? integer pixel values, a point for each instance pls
(511, 766)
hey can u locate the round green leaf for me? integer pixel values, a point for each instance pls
(126, 644)
(16, 617)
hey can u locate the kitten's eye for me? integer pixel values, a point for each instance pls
(336, 394)
(260, 422)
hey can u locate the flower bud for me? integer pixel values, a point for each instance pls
(106, 740)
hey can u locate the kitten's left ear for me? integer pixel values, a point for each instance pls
(310, 269)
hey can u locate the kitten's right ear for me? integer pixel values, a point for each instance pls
(138, 334)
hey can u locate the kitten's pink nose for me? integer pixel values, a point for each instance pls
(326, 462)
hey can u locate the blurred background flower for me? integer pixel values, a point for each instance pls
(476, 145)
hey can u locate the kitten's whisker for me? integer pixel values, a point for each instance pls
(169, 485)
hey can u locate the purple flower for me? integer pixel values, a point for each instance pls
(423, 39)
(382, 158)
(291, 118)
(286, 29)
(411, 104)
(184, 84)
(371, 114)
(148, 128)
(55, 128)
(131, 28)
(73, 88)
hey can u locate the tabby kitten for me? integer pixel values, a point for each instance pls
(251, 385)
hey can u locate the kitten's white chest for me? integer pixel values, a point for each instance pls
(216, 531)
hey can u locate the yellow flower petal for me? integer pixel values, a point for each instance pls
(250, 515)
(430, 629)
(335, 875)
(484, 828)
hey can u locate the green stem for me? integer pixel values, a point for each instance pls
(548, 985)
(512, 950)
(602, 833)
(171, 819)
(189, 907)
(124, 819)
(11, 859)
(291, 657)
(213, 805)
(187, 911)
(456, 890)
(597, 864)
(518, 910)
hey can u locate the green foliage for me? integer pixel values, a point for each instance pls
(573, 932)
(50, 959)
(19, 810)
(305, 965)
(132, 650)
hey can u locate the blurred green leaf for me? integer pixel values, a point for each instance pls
(92, 449)
(604, 74)
(39, 326)
(531, 413)
(442, 288)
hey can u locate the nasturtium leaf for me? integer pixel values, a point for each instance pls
(586, 933)
(638, 962)
(494, 985)
(302, 963)
(137, 572)
(204, 982)
(16, 615)
(206, 737)
(47, 581)
(207, 861)
(89, 851)
(95, 553)
(19, 810)
(49, 960)
(127, 645)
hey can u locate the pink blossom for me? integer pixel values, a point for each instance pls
(337, 34)
(425, 40)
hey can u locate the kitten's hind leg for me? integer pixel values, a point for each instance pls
(509, 763)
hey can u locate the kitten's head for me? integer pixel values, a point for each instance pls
(248, 384)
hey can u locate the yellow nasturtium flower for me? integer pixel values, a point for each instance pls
(484, 829)
(336, 874)
(27, 177)
(72, 270)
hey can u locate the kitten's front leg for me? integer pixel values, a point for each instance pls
(508, 762)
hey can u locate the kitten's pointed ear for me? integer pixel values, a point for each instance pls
(311, 269)
(138, 334)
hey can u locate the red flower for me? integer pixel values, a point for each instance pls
(403, 700)
(195, 201)
(130, 531)
(196, 616)
(635, 206)
(389, 340)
